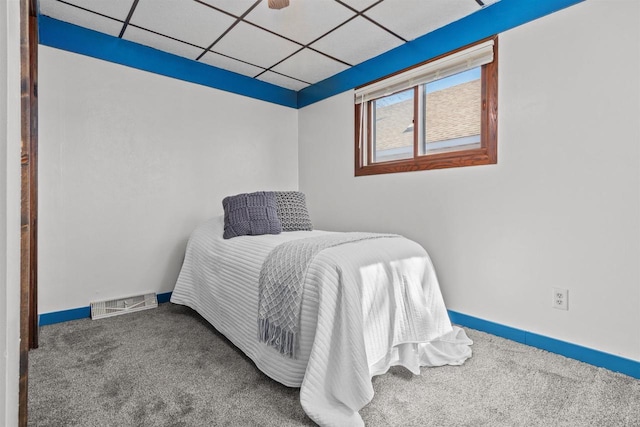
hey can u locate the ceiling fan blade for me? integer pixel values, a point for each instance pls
(278, 4)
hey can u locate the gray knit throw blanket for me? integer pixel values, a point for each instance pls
(281, 286)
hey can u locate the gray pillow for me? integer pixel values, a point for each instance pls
(251, 214)
(292, 211)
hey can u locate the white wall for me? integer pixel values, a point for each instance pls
(9, 210)
(562, 206)
(130, 163)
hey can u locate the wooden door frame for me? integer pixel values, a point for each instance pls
(33, 175)
(29, 196)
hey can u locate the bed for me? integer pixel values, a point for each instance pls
(367, 305)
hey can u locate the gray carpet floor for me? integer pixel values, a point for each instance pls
(168, 367)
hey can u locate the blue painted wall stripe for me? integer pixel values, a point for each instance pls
(73, 38)
(573, 351)
(496, 18)
(165, 297)
(64, 316)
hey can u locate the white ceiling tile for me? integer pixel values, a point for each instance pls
(283, 81)
(76, 16)
(309, 66)
(118, 9)
(234, 7)
(359, 5)
(424, 16)
(184, 20)
(302, 21)
(254, 45)
(248, 50)
(231, 64)
(159, 42)
(339, 43)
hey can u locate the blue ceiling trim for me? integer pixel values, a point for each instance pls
(62, 35)
(494, 19)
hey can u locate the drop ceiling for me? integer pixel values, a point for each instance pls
(294, 47)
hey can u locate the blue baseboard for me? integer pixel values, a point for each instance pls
(165, 297)
(64, 316)
(81, 312)
(573, 351)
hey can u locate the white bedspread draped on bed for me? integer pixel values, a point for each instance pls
(367, 306)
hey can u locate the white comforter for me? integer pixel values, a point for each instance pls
(367, 306)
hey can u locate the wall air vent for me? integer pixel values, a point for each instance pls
(115, 307)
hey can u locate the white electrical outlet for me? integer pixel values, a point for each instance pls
(560, 299)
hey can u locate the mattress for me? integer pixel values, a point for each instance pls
(366, 306)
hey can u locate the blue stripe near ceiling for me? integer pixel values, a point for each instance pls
(499, 17)
(494, 19)
(80, 40)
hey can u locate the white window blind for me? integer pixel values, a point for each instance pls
(458, 62)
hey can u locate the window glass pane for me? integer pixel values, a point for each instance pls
(452, 113)
(393, 127)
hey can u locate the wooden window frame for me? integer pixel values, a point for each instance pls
(486, 154)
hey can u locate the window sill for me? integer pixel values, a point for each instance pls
(456, 159)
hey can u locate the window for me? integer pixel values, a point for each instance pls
(439, 114)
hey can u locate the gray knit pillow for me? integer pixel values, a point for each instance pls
(292, 211)
(251, 214)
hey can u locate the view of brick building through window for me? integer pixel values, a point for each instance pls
(451, 116)
(442, 113)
